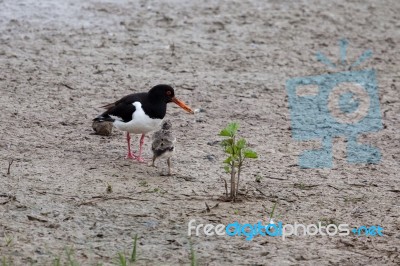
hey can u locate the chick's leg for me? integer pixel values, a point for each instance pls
(169, 166)
(152, 161)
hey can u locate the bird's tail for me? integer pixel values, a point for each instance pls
(104, 118)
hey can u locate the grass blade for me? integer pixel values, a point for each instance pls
(133, 255)
(193, 259)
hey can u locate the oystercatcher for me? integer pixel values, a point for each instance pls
(141, 113)
(163, 144)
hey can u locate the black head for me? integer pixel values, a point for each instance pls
(162, 92)
(165, 93)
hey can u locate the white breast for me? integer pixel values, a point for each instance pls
(140, 123)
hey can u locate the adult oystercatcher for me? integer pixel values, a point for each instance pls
(141, 113)
(163, 145)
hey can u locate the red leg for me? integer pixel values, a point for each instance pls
(140, 158)
(130, 155)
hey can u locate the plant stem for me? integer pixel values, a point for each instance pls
(233, 185)
(233, 171)
(238, 176)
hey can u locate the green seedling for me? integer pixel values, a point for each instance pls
(237, 151)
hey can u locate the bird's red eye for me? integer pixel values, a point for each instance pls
(169, 93)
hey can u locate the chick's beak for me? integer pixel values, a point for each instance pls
(182, 105)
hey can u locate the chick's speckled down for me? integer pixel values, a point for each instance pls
(163, 144)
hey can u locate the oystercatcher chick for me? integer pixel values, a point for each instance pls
(163, 144)
(141, 113)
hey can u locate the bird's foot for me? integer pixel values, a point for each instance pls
(140, 159)
(131, 156)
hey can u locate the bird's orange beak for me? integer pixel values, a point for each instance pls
(182, 105)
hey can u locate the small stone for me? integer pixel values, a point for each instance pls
(213, 143)
(210, 157)
(102, 128)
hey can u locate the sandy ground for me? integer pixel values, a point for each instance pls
(61, 60)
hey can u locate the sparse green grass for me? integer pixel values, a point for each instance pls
(57, 261)
(8, 240)
(354, 199)
(134, 250)
(109, 188)
(70, 258)
(143, 183)
(259, 178)
(123, 261)
(271, 215)
(327, 221)
(155, 190)
(193, 259)
(303, 186)
(152, 190)
(6, 262)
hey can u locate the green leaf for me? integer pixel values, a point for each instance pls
(229, 130)
(250, 154)
(225, 133)
(227, 168)
(229, 150)
(226, 142)
(232, 128)
(241, 143)
(228, 160)
(236, 151)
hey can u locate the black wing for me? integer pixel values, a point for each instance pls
(123, 108)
